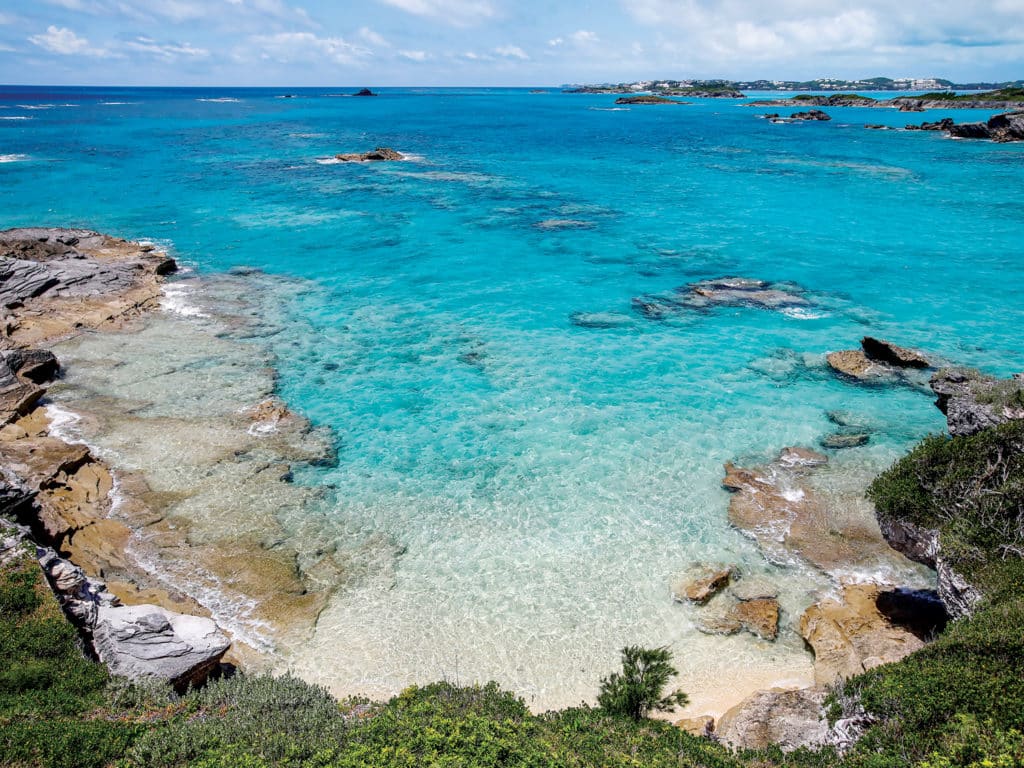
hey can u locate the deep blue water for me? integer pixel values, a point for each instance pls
(532, 467)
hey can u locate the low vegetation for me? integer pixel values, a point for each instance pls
(958, 703)
(1002, 94)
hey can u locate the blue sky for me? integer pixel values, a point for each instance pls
(500, 42)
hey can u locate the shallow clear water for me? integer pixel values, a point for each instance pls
(544, 482)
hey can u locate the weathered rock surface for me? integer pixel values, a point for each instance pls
(380, 154)
(722, 292)
(1000, 128)
(141, 641)
(759, 616)
(790, 719)
(850, 635)
(753, 588)
(137, 641)
(973, 401)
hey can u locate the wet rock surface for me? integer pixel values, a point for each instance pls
(701, 584)
(879, 362)
(723, 292)
(779, 506)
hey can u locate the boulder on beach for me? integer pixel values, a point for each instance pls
(380, 154)
(787, 718)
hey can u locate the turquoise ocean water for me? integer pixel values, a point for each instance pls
(544, 481)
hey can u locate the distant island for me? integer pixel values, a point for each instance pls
(733, 89)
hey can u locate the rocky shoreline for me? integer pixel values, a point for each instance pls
(127, 557)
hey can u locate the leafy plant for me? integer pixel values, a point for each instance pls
(637, 690)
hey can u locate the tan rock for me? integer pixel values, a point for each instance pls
(795, 456)
(760, 617)
(787, 718)
(698, 726)
(704, 585)
(856, 365)
(850, 635)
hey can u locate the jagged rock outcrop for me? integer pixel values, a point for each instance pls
(1000, 128)
(973, 401)
(138, 641)
(380, 154)
(811, 115)
(877, 361)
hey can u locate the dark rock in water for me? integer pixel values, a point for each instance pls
(877, 362)
(364, 92)
(944, 124)
(911, 107)
(919, 610)
(879, 127)
(841, 440)
(887, 352)
(1008, 127)
(970, 131)
(166, 267)
(646, 100)
(377, 155)
(814, 114)
(655, 307)
(743, 291)
(973, 401)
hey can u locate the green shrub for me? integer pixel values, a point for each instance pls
(969, 488)
(282, 721)
(637, 690)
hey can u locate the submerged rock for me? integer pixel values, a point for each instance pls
(600, 319)
(840, 440)
(789, 719)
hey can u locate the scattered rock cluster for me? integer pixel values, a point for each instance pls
(878, 362)
(722, 292)
(380, 154)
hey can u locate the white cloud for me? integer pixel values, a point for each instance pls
(287, 47)
(166, 51)
(512, 52)
(373, 38)
(65, 42)
(556, 41)
(584, 36)
(459, 13)
(414, 55)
